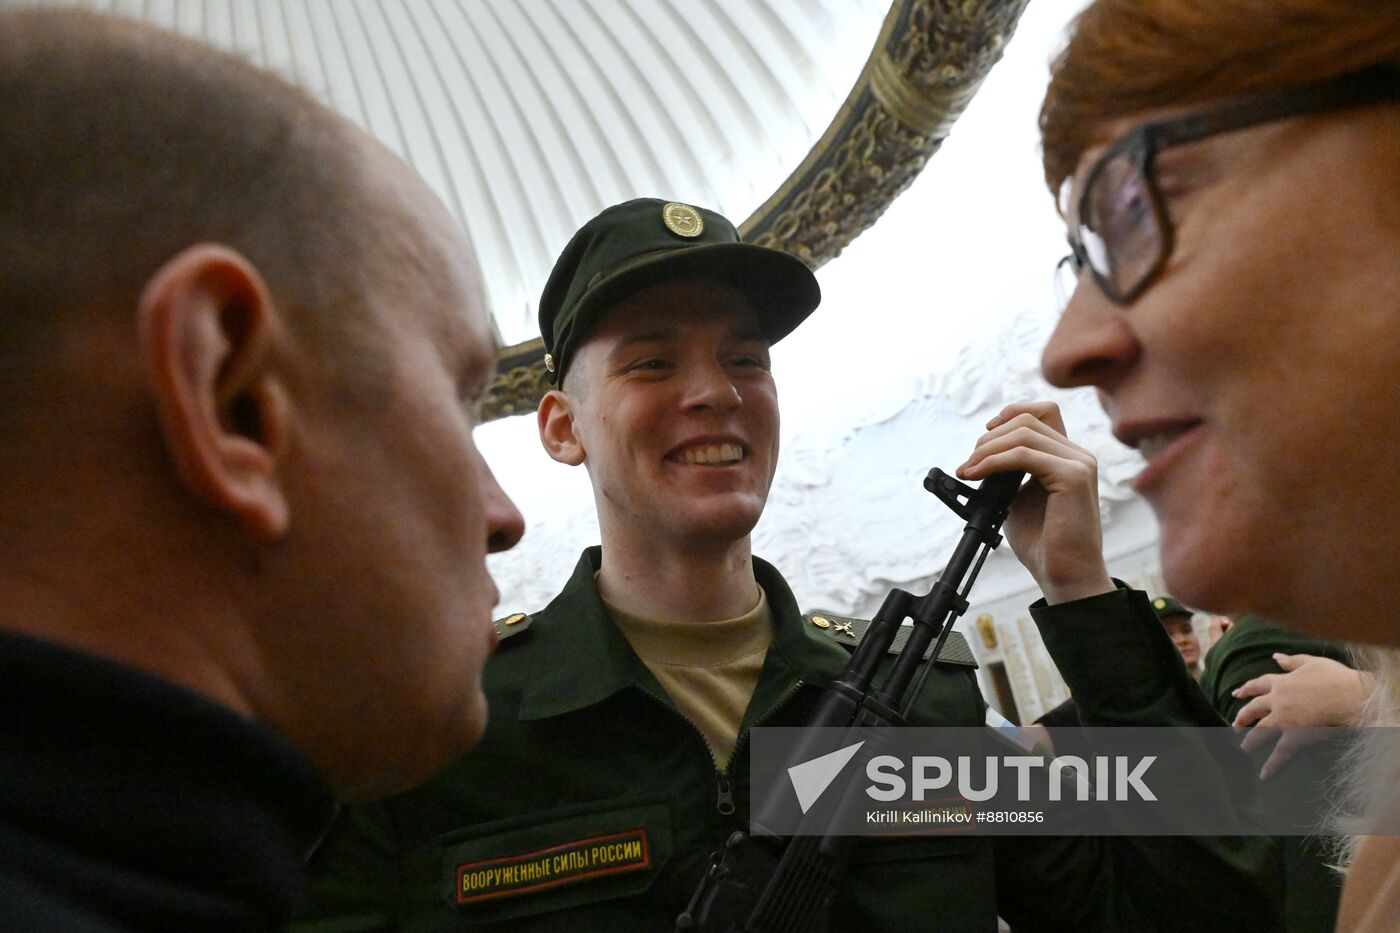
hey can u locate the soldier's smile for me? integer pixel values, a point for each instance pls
(709, 452)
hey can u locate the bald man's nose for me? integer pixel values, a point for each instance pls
(505, 526)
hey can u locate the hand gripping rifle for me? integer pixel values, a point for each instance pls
(762, 882)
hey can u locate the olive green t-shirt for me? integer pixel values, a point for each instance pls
(709, 669)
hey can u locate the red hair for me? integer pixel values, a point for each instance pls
(1127, 57)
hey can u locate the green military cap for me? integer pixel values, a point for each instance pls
(639, 243)
(1166, 606)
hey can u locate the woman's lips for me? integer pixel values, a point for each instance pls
(1164, 450)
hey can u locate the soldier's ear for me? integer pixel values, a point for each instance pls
(558, 430)
(208, 332)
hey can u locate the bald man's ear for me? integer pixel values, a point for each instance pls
(558, 432)
(208, 329)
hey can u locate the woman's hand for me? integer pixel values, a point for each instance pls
(1054, 522)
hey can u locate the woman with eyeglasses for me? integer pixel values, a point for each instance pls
(1229, 171)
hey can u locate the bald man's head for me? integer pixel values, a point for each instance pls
(240, 344)
(124, 144)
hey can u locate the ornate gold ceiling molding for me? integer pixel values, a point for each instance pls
(929, 61)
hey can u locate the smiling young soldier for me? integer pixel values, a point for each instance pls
(616, 757)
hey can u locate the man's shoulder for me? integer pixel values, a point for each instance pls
(508, 670)
(848, 631)
(1257, 633)
(518, 630)
(510, 628)
(1247, 649)
(950, 695)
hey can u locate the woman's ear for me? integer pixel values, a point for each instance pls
(558, 431)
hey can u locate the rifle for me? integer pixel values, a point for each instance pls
(761, 882)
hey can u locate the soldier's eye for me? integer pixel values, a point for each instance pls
(752, 357)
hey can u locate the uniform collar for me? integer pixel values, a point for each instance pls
(579, 658)
(800, 652)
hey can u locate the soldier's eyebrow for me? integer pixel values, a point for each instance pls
(663, 334)
(629, 342)
(651, 336)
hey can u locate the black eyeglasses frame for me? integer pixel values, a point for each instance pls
(1141, 145)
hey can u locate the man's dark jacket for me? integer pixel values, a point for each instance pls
(130, 804)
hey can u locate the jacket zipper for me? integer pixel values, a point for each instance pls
(724, 792)
(724, 788)
(767, 714)
(724, 801)
(726, 796)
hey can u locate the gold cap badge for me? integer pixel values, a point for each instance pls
(682, 220)
(515, 619)
(821, 621)
(1159, 604)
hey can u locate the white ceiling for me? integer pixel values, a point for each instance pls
(530, 116)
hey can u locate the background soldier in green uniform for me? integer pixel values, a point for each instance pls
(1251, 651)
(615, 760)
(1176, 619)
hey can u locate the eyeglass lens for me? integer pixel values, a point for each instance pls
(1118, 225)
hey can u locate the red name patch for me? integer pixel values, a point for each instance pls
(566, 863)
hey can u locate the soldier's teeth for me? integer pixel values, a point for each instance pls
(722, 453)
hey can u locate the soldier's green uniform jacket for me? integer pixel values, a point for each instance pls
(1246, 650)
(593, 804)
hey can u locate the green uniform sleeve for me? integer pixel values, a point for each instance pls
(1246, 651)
(1122, 670)
(1228, 676)
(354, 875)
